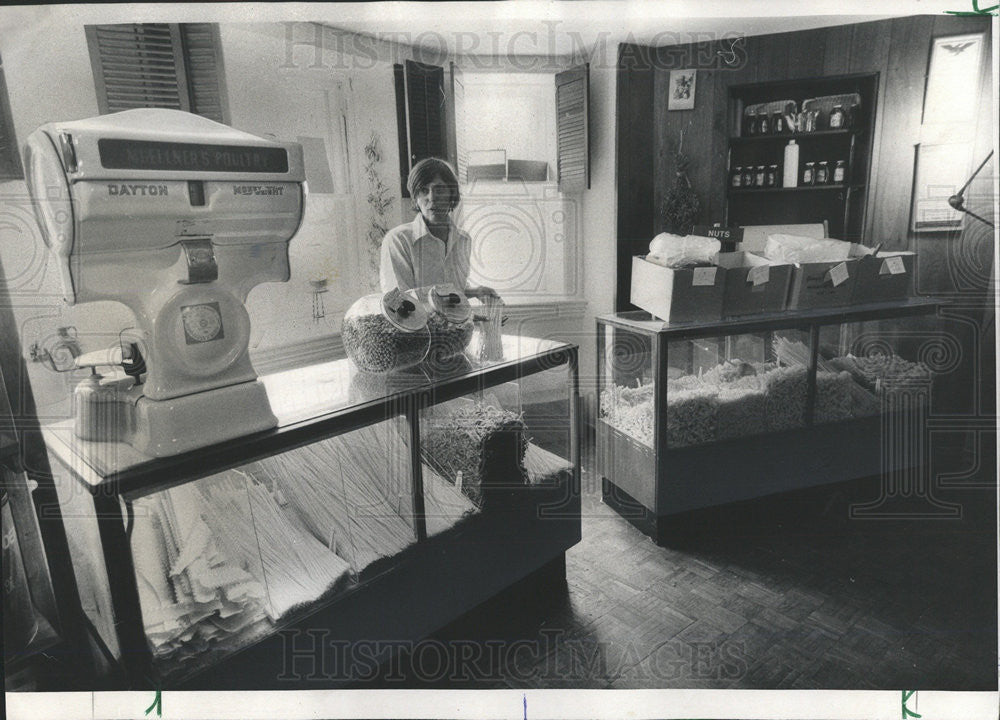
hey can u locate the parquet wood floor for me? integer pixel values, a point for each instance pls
(781, 592)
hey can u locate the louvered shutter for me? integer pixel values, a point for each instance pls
(420, 113)
(203, 63)
(10, 160)
(460, 153)
(572, 126)
(137, 66)
(157, 65)
(425, 110)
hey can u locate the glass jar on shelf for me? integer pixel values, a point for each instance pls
(751, 122)
(838, 118)
(764, 124)
(840, 172)
(777, 124)
(822, 173)
(771, 179)
(808, 175)
(760, 176)
(748, 176)
(737, 177)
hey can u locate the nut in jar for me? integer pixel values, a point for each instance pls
(382, 333)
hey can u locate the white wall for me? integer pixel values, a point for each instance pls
(312, 93)
(599, 215)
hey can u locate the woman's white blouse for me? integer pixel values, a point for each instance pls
(412, 257)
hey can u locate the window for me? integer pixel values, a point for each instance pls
(10, 160)
(159, 65)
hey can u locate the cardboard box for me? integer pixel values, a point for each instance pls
(688, 295)
(528, 170)
(887, 276)
(754, 284)
(822, 284)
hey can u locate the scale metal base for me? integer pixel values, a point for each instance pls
(161, 428)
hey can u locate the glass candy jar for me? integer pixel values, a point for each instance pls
(449, 321)
(382, 333)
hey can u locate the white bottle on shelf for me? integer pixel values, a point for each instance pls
(790, 176)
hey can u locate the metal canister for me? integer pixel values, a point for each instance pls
(97, 410)
(19, 622)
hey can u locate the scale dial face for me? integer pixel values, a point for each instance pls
(202, 323)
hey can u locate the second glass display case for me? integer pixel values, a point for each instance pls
(692, 415)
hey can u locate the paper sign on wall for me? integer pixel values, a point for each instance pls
(892, 266)
(759, 274)
(839, 274)
(704, 276)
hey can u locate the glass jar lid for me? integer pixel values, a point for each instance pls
(450, 302)
(403, 310)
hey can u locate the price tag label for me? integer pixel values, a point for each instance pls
(839, 274)
(704, 276)
(759, 275)
(893, 266)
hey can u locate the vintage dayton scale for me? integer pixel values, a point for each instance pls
(177, 217)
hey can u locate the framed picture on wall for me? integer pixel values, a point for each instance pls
(681, 90)
(952, 92)
(941, 170)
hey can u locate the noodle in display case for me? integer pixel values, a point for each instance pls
(697, 414)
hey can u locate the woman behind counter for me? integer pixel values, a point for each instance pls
(430, 250)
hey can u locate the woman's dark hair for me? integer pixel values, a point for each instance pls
(423, 174)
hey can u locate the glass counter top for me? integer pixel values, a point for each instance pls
(309, 403)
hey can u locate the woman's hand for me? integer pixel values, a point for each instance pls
(483, 293)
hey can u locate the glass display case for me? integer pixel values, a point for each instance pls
(382, 506)
(32, 625)
(691, 415)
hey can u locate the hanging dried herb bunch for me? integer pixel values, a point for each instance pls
(379, 202)
(680, 204)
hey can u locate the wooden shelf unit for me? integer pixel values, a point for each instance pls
(841, 205)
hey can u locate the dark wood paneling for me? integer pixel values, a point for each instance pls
(869, 51)
(837, 49)
(904, 79)
(807, 53)
(772, 57)
(633, 144)
(714, 203)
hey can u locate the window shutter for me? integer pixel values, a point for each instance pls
(572, 126)
(460, 154)
(420, 109)
(136, 66)
(10, 160)
(158, 65)
(205, 75)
